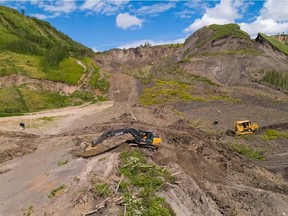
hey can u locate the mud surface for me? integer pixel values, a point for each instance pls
(213, 179)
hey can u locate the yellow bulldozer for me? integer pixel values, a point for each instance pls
(243, 127)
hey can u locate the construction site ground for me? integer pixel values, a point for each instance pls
(213, 179)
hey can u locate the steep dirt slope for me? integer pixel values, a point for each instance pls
(213, 179)
(231, 58)
(223, 53)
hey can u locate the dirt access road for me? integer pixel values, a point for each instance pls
(214, 180)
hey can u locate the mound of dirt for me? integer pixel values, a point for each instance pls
(20, 145)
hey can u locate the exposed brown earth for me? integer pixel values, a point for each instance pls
(213, 179)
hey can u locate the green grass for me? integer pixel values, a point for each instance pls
(167, 92)
(20, 100)
(142, 179)
(63, 162)
(96, 82)
(33, 32)
(57, 191)
(224, 97)
(247, 151)
(222, 31)
(47, 118)
(29, 211)
(142, 74)
(252, 52)
(32, 66)
(276, 43)
(274, 134)
(102, 189)
(276, 79)
(68, 71)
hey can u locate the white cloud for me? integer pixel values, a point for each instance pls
(155, 9)
(273, 19)
(60, 6)
(267, 26)
(222, 13)
(152, 42)
(125, 21)
(95, 49)
(104, 7)
(276, 10)
(44, 16)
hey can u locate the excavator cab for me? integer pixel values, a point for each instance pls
(148, 138)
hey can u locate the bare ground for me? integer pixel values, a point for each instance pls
(214, 180)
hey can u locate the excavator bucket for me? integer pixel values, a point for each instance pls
(96, 150)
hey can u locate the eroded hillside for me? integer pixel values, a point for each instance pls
(189, 96)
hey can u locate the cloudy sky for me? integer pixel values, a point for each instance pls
(106, 24)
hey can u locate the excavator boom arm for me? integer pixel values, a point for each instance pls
(119, 132)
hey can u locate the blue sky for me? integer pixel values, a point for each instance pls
(103, 25)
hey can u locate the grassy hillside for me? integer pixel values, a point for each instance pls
(35, 49)
(23, 34)
(220, 32)
(22, 99)
(283, 47)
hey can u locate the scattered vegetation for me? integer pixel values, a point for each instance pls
(177, 73)
(167, 92)
(233, 52)
(224, 97)
(276, 79)
(282, 47)
(29, 211)
(142, 74)
(96, 82)
(247, 151)
(274, 134)
(142, 180)
(63, 162)
(57, 191)
(47, 118)
(102, 189)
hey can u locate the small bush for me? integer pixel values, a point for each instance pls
(56, 191)
(29, 211)
(62, 163)
(102, 189)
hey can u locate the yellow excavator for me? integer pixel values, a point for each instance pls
(243, 127)
(144, 139)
